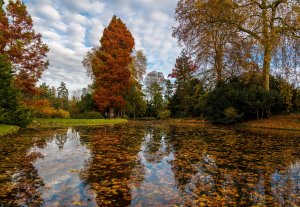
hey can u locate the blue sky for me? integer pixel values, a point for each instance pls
(72, 27)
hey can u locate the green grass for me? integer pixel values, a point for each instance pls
(7, 129)
(60, 122)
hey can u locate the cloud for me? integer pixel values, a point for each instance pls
(71, 28)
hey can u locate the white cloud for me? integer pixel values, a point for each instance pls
(71, 28)
(47, 12)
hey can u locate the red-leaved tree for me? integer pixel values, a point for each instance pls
(109, 66)
(22, 46)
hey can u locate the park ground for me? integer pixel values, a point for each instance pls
(283, 124)
(59, 122)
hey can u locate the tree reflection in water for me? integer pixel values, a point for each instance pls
(127, 165)
(224, 168)
(114, 155)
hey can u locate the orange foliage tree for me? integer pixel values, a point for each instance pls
(109, 66)
(23, 47)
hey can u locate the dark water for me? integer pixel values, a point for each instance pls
(128, 165)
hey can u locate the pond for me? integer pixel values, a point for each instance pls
(144, 165)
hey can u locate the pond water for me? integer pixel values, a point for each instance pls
(126, 165)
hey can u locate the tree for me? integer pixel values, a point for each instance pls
(183, 73)
(138, 66)
(86, 103)
(168, 91)
(218, 50)
(109, 66)
(23, 46)
(269, 23)
(153, 77)
(136, 104)
(10, 110)
(8, 94)
(4, 28)
(63, 95)
(157, 102)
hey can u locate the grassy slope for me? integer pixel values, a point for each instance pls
(283, 123)
(7, 129)
(74, 122)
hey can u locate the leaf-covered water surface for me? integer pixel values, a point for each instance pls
(128, 165)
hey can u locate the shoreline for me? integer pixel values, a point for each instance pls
(282, 124)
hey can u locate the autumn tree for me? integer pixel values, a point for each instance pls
(4, 28)
(218, 49)
(269, 23)
(22, 45)
(108, 65)
(183, 73)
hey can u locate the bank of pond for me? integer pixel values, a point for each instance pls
(147, 164)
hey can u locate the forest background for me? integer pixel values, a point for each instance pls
(240, 61)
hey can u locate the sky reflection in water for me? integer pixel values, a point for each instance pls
(147, 166)
(63, 157)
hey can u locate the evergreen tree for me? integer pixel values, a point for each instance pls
(63, 95)
(10, 110)
(183, 74)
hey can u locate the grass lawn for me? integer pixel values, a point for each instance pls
(74, 122)
(7, 129)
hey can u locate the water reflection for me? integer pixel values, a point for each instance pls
(158, 186)
(63, 158)
(212, 171)
(128, 165)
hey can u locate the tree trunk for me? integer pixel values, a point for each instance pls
(111, 112)
(219, 62)
(266, 67)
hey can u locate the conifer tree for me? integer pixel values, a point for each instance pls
(109, 65)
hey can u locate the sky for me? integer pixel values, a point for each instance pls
(72, 27)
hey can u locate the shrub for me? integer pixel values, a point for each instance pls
(232, 115)
(43, 109)
(20, 117)
(61, 114)
(89, 115)
(164, 114)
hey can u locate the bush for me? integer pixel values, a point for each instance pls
(21, 117)
(43, 109)
(164, 114)
(232, 115)
(89, 115)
